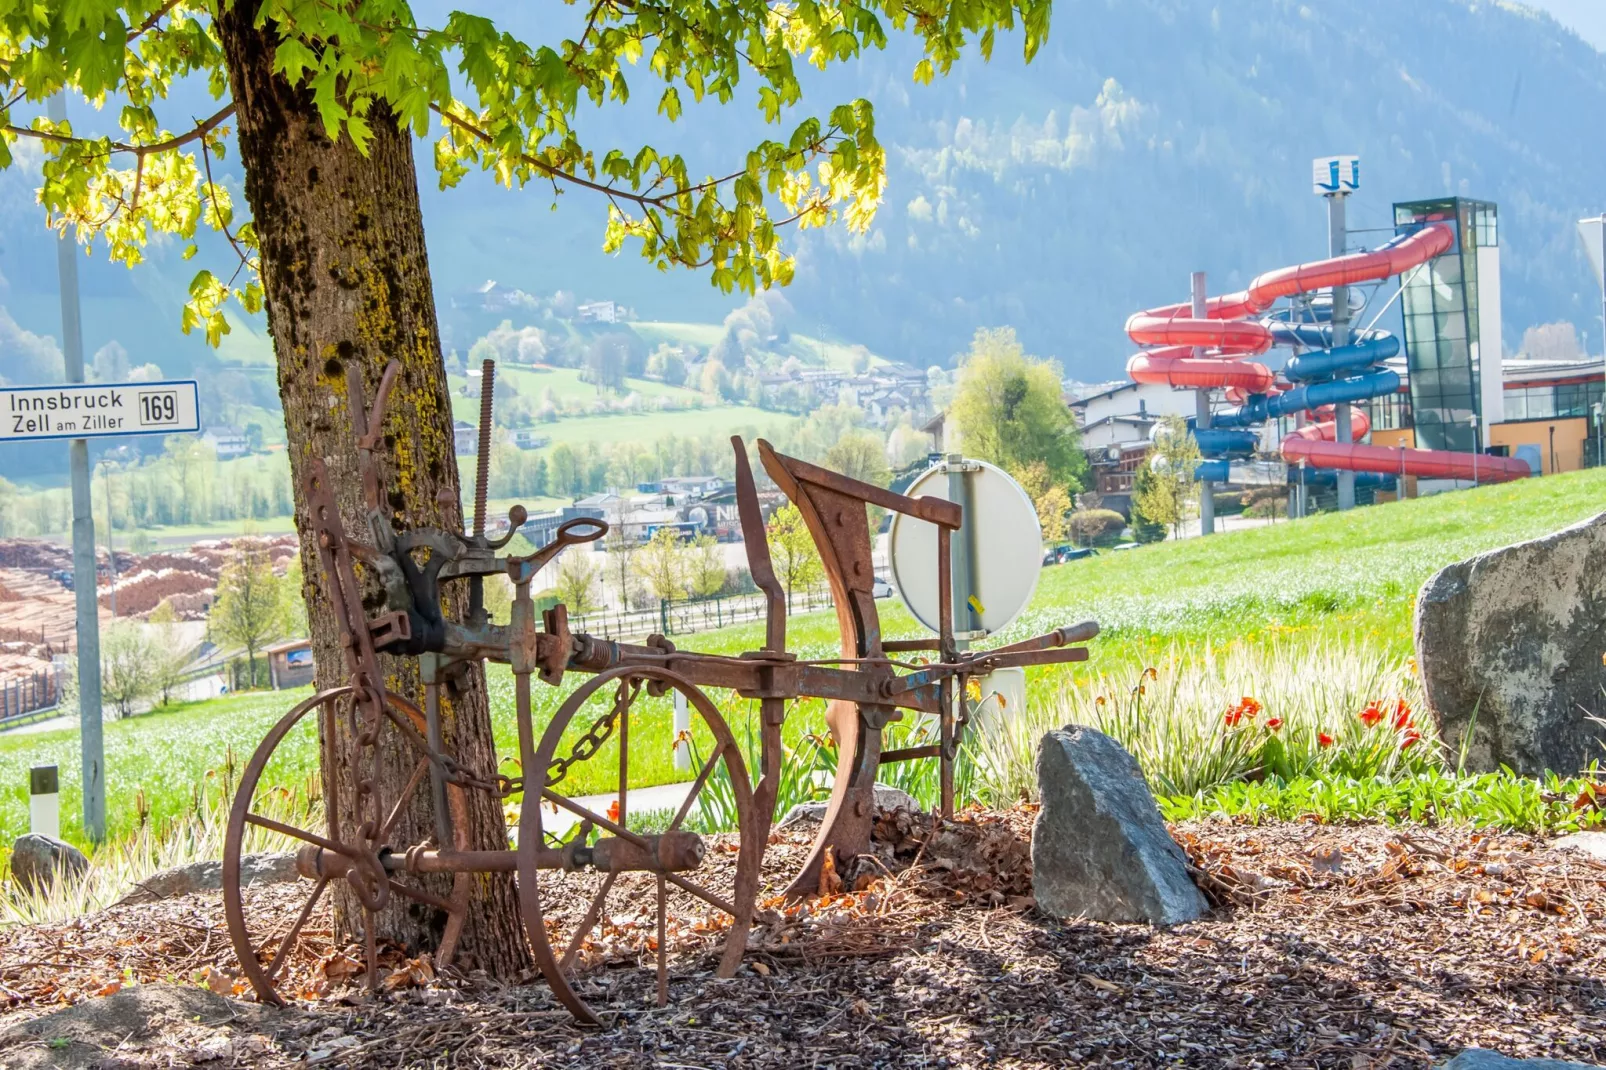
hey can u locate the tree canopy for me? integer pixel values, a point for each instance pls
(1009, 409)
(492, 101)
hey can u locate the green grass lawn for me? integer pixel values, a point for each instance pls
(809, 350)
(1333, 580)
(564, 383)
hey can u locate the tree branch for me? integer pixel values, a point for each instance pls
(202, 129)
(641, 200)
(150, 23)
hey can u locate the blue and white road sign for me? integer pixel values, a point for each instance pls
(98, 410)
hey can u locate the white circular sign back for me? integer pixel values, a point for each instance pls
(1007, 548)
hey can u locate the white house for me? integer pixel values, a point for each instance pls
(1124, 413)
(226, 442)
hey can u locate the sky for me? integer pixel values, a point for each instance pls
(1586, 18)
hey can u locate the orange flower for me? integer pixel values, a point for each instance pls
(1323, 739)
(1402, 715)
(1274, 723)
(613, 811)
(1410, 737)
(1371, 715)
(1244, 707)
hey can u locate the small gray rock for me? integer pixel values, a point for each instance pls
(208, 876)
(1590, 843)
(887, 799)
(1099, 848)
(1510, 644)
(36, 859)
(1483, 1059)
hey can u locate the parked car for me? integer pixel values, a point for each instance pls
(880, 588)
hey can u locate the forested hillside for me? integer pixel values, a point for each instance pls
(1148, 139)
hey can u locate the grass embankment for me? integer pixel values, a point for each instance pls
(1311, 619)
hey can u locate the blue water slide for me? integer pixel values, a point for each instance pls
(1261, 407)
(1224, 443)
(1322, 363)
(1328, 477)
(1215, 471)
(1314, 395)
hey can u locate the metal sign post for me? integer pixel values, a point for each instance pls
(78, 412)
(91, 748)
(1207, 489)
(1336, 177)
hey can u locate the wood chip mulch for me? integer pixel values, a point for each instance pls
(1326, 946)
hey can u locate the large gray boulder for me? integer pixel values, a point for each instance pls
(1483, 1059)
(1517, 635)
(1099, 848)
(208, 876)
(37, 860)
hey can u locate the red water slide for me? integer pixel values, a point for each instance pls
(1227, 337)
(1428, 464)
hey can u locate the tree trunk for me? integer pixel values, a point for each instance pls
(346, 281)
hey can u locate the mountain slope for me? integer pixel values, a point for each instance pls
(1150, 138)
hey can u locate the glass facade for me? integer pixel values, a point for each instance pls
(1391, 413)
(1440, 307)
(1539, 402)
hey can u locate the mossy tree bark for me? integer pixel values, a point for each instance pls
(346, 281)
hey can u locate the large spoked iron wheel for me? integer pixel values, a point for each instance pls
(581, 919)
(267, 942)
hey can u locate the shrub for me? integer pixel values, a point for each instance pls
(1090, 525)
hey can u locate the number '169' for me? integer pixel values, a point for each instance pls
(158, 408)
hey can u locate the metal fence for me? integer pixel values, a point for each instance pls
(25, 697)
(60, 644)
(689, 618)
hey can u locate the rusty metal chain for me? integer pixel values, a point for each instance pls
(601, 729)
(586, 747)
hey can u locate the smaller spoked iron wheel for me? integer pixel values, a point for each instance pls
(267, 941)
(602, 881)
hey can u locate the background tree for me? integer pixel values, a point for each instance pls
(1146, 528)
(577, 582)
(326, 99)
(128, 657)
(706, 574)
(170, 654)
(621, 550)
(660, 564)
(1009, 409)
(1552, 341)
(249, 607)
(797, 560)
(860, 455)
(1052, 508)
(1172, 485)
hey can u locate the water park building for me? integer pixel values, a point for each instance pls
(1433, 404)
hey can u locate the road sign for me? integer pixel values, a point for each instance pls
(1335, 174)
(98, 410)
(1006, 545)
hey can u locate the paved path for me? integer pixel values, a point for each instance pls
(640, 800)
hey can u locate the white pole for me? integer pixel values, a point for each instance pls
(44, 802)
(682, 724)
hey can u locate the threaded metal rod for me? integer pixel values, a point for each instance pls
(482, 467)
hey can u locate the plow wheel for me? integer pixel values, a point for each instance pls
(631, 869)
(266, 942)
